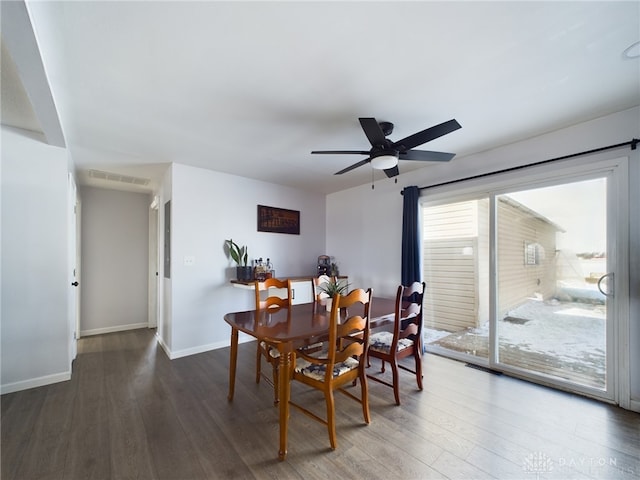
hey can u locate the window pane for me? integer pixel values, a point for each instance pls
(551, 317)
(456, 270)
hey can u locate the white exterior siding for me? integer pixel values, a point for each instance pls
(456, 261)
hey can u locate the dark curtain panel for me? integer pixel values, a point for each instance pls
(411, 271)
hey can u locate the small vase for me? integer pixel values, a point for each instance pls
(329, 303)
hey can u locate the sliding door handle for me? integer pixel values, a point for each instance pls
(610, 288)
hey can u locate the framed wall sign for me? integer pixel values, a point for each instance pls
(278, 220)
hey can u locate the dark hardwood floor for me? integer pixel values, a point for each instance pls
(131, 413)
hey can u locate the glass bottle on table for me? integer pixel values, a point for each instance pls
(260, 271)
(269, 272)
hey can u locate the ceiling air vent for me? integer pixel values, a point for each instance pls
(116, 177)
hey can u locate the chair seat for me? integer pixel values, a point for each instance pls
(274, 353)
(381, 342)
(317, 372)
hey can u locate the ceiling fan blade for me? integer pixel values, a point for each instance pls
(342, 152)
(426, 156)
(373, 131)
(355, 165)
(427, 135)
(392, 172)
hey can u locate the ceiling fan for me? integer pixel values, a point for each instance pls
(384, 153)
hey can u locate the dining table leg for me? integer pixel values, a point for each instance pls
(232, 363)
(284, 390)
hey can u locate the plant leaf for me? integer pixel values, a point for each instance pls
(233, 250)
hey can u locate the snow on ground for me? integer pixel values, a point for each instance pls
(573, 332)
(570, 332)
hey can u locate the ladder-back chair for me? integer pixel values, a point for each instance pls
(279, 299)
(404, 341)
(341, 361)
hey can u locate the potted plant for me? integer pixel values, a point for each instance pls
(332, 288)
(240, 255)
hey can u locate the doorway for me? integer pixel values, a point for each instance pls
(521, 278)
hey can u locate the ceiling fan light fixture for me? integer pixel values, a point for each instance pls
(382, 162)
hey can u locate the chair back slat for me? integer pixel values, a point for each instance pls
(353, 348)
(411, 329)
(272, 301)
(352, 325)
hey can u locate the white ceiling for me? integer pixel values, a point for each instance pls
(250, 88)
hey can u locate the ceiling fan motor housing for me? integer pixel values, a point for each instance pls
(383, 152)
(386, 127)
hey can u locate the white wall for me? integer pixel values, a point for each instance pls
(34, 328)
(364, 226)
(364, 234)
(208, 208)
(115, 260)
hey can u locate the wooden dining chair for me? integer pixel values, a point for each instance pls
(404, 341)
(266, 349)
(341, 362)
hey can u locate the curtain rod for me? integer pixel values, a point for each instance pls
(634, 144)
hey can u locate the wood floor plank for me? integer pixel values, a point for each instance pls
(48, 444)
(170, 448)
(88, 437)
(130, 412)
(130, 455)
(20, 411)
(453, 466)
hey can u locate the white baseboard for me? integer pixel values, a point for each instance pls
(195, 350)
(35, 382)
(200, 348)
(634, 405)
(119, 328)
(164, 346)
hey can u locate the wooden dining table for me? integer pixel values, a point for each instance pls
(288, 328)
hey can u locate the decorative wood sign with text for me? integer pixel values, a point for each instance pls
(278, 220)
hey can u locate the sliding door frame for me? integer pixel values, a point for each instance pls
(612, 164)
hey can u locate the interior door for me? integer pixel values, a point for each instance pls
(73, 255)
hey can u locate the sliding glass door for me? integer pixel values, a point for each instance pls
(551, 314)
(520, 278)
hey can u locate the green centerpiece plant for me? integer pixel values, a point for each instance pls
(332, 288)
(240, 255)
